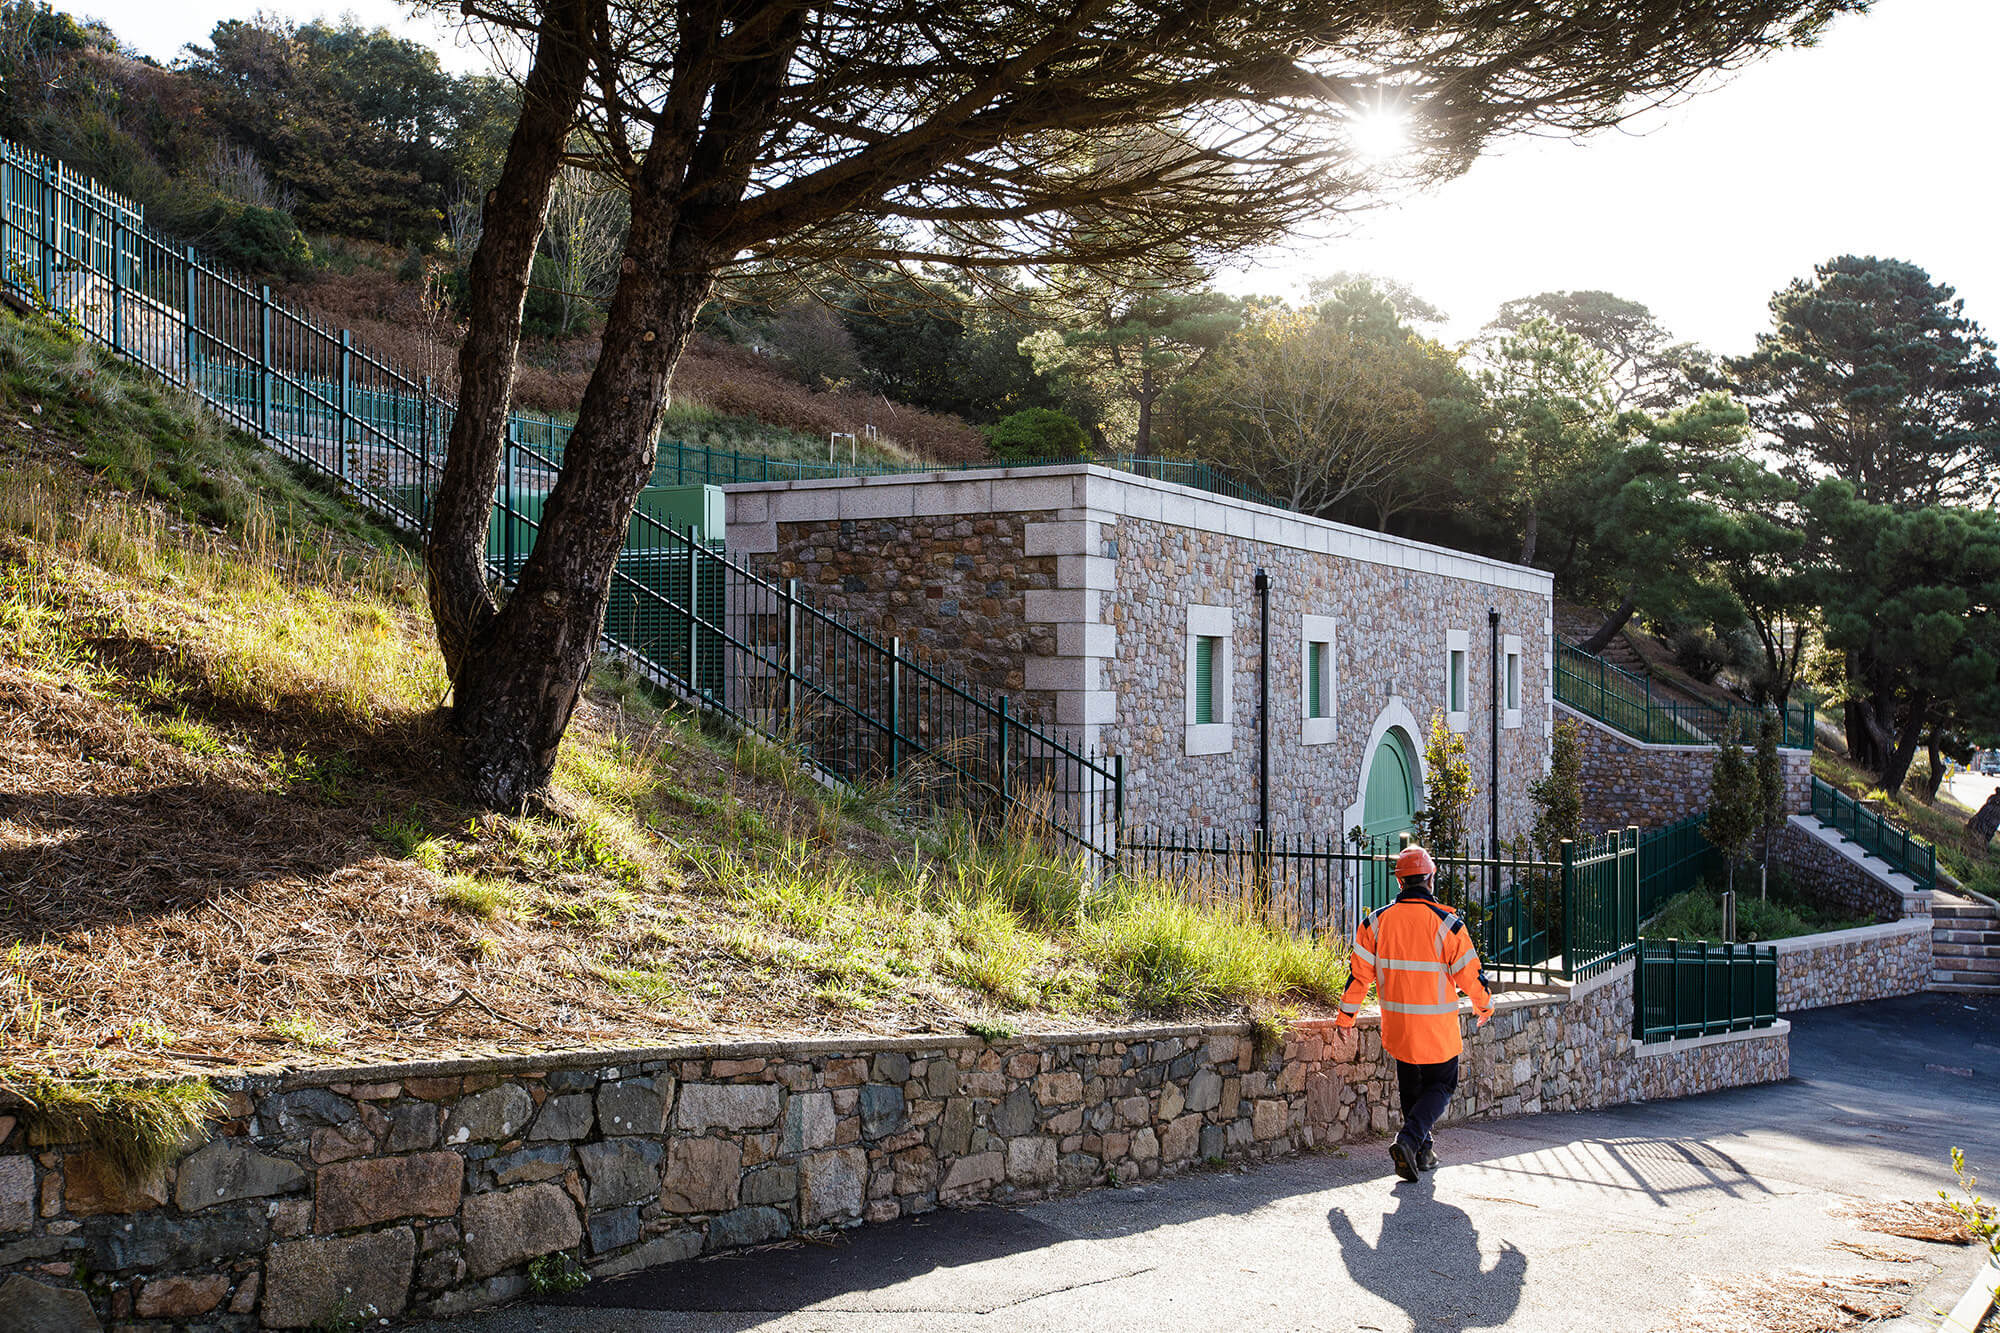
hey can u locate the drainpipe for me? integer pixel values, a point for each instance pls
(1263, 704)
(1263, 852)
(1493, 750)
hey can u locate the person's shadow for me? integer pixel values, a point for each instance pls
(1427, 1261)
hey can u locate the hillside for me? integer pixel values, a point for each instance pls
(232, 835)
(725, 396)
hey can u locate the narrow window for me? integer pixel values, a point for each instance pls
(1205, 647)
(1457, 682)
(1316, 680)
(1513, 682)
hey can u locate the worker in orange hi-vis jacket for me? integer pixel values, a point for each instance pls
(1418, 955)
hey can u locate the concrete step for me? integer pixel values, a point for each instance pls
(1972, 937)
(1982, 967)
(1964, 988)
(1964, 912)
(1987, 950)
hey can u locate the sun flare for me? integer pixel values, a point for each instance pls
(1380, 133)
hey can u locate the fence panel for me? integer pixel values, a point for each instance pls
(1698, 990)
(1874, 833)
(1628, 702)
(1673, 859)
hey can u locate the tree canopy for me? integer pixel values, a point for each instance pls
(1873, 374)
(1031, 133)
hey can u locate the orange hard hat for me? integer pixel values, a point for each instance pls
(1414, 861)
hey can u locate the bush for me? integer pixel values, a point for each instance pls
(1700, 653)
(1036, 433)
(262, 242)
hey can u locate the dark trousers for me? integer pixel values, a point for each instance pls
(1426, 1090)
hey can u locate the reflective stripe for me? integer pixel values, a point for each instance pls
(1409, 965)
(1445, 926)
(1350, 1008)
(1471, 959)
(1391, 1006)
(1363, 954)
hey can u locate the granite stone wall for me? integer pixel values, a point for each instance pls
(344, 1197)
(1389, 625)
(1626, 782)
(1072, 588)
(1840, 883)
(1848, 966)
(953, 587)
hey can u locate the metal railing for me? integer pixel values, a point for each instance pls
(1673, 859)
(1533, 921)
(1699, 989)
(1629, 702)
(1875, 833)
(692, 619)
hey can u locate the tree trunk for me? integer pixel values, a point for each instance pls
(1903, 752)
(1937, 770)
(455, 557)
(1986, 822)
(1860, 744)
(1142, 440)
(1528, 537)
(1614, 622)
(516, 697)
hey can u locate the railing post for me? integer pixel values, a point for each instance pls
(895, 706)
(264, 359)
(1702, 949)
(117, 285)
(1006, 741)
(344, 419)
(1568, 860)
(507, 494)
(694, 616)
(788, 650)
(49, 225)
(424, 458)
(187, 368)
(1639, 995)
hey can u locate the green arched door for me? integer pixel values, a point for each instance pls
(1387, 809)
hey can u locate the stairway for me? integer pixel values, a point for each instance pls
(1965, 944)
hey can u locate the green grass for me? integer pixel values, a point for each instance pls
(1943, 826)
(140, 1128)
(143, 436)
(1697, 915)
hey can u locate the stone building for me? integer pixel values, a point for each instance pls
(1129, 612)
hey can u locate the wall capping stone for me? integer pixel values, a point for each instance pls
(1858, 935)
(1683, 1045)
(429, 1188)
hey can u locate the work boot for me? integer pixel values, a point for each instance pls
(1405, 1160)
(1427, 1158)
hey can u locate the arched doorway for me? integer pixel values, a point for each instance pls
(1387, 809)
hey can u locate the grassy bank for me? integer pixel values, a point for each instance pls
(236, 836)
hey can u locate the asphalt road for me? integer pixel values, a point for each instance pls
(1593, 1222)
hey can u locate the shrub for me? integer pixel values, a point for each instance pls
(262, 242)
(1036, 433)
(1700, 653)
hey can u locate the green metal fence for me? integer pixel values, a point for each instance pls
(689, 617)
(1628, 702)
(1673, 859)
(1533, 921)
(1875, 833)
(1699, 989)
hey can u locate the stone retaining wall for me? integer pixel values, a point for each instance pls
(1848, 966)
(1626, 782)
(1834, 878)
(363, 1194)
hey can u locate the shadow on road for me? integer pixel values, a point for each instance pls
(1427, 1260)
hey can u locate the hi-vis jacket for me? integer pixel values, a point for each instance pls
(1418, 955)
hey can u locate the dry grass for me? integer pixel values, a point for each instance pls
(232, 834)
(1912, 1219)
(1792, 1303)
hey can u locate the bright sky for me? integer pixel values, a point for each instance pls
(1878, 141)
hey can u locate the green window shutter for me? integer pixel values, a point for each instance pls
(1204, 680)
(1514, 681)
(1316, 680)
(1456, 685)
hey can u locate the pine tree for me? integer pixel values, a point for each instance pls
(1733, 804)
